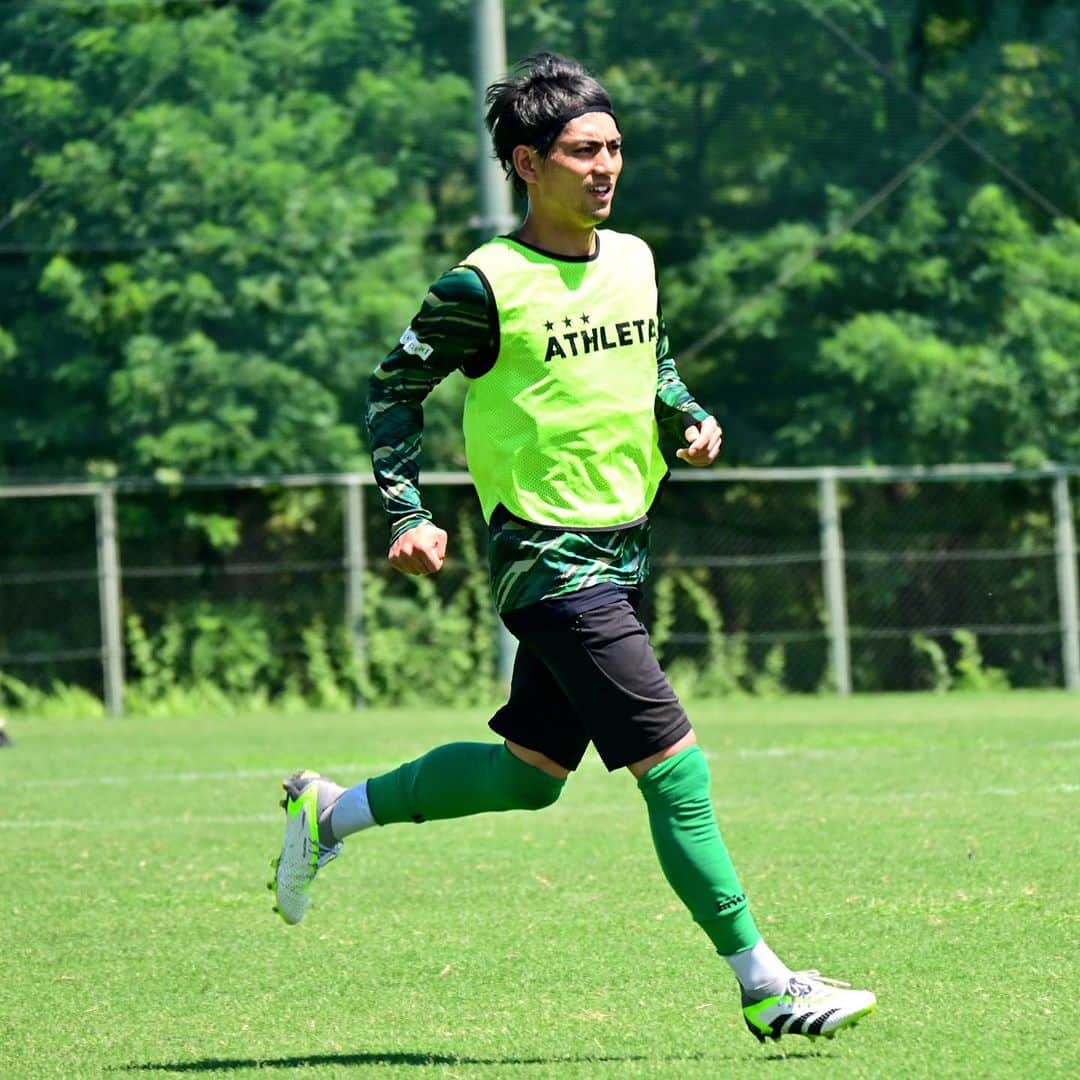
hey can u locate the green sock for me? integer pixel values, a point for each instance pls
(457, 780)
(692, 853)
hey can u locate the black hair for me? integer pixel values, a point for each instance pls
(532, 105)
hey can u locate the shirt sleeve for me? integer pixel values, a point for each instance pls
(455, 328)
(676, 408)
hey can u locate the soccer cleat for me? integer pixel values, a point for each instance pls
(308, 797)
(810, 1005)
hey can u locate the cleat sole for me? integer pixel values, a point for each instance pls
(846, 1025)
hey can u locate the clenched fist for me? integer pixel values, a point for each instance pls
(421, 550)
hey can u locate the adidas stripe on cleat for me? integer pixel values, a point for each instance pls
(308, 798)
(810, 1005)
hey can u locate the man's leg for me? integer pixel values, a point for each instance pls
(676, 786)
(454, 780)
(543, 743)
(604, 663)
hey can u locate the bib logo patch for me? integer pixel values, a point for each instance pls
(590, 339)
(414, 346)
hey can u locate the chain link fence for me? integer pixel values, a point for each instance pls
(797, 580)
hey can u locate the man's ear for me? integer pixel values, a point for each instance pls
(525, 160)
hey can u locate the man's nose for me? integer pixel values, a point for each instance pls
(604, 162)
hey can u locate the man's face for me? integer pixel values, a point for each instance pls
(576, 182)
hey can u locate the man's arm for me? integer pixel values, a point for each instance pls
(453, 327)
(676, 407)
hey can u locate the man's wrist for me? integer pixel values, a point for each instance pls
(400, 526)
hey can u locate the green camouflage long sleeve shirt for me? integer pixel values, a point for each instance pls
(455, 327)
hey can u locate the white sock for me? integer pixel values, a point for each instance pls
(351, 812)
(760, 972)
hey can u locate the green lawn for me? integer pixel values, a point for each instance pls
(924, 847)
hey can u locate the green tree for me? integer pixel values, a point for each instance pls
(209, 276)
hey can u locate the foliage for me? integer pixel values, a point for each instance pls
(926, 352)
(200, 657)
(420, 645)
(58, 700)
(969, 671)
(154, 664)
(940, 677)
(723, 668)
(768, 681)
(416, 646)
(217, 646)
(215, 218)
(325, 687)
(208, 272)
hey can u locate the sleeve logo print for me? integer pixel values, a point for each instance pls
(412, 344)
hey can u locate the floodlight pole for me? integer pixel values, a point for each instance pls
(496, 204)
(489, 63)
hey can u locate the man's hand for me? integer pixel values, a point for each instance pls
(704, 443)
(421, 550)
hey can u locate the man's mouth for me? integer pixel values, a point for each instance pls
(601, 190)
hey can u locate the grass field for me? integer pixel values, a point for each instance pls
(923, 847)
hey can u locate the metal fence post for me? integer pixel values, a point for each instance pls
(108, 563)
(355, 566)
(832, 565)
(489, 63)
(1068, 599)
(507, 653)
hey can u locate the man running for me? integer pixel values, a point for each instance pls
(559, 331)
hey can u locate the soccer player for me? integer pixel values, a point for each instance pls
(559, 331)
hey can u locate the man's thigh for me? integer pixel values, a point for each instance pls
(538, 715)
(602, 661)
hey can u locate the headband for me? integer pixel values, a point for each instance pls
(543, 142)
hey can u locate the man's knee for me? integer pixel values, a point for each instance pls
(537, 780)
(640, 768)
(535, 796)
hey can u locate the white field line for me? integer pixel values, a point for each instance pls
(156, 823)
(355, 769)
(359, 768)
(912, 797)
(792, 751)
